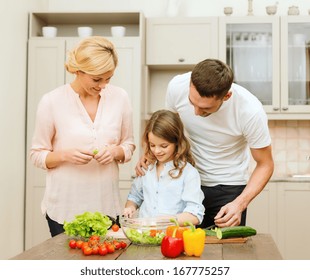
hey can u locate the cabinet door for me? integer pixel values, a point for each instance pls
(261, 213)
(45, 72)
(181, 41)
(293, 220)
(295, 68)
(128, 76)
(250, 46)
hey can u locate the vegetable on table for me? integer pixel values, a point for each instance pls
(172, 246)
(179, 230)
(88, 224)
(194, 240)
(236, 231)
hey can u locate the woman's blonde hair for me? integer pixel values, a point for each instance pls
(94, 55)
(168, 125)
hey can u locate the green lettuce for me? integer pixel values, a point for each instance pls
(88, 224)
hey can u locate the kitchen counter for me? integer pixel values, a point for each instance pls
(299, 179)
(258, 247)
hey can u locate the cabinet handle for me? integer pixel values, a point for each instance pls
(181, 59)
(275, 108)
(284, 108)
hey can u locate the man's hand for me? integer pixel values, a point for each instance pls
(143, 163)
(229, 215)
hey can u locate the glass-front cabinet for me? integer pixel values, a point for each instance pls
(295, 63)
(270, 57)
(252, 51)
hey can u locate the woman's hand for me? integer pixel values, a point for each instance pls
(105, 156)
(74, 156)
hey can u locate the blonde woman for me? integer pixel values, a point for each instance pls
(171, 184)
(83, 131)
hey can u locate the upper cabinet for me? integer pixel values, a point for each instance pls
(266, 61)
(181, 41)
(250, 45)
(173, 46)
(295, 64)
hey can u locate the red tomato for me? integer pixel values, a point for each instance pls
(95, 250)
(72, 244)
(117, 245)
(85, 244)
(111, 248)
(94, 237)
(103, 250)
(115, 227)
(79, 244)
(123, 244)
(87, 250)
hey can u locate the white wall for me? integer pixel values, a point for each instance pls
(13, 48)
(155, 8)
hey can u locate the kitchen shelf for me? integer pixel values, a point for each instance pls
(67, 22)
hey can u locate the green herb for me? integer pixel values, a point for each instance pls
(95, 151)
(88, 224)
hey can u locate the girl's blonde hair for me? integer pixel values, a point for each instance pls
(94, 55)
(168, 125)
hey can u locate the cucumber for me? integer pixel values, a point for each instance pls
(236, 231)
(210, 232)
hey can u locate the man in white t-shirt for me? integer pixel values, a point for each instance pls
(224, 123)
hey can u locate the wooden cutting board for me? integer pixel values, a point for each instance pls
(215, 240)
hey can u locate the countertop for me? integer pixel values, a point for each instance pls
(299, 179)
(258, 247)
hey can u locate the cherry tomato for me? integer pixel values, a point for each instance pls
(123, 244)
(87, 250)
(111, 248)
(115, 227)
(94, 237)
(72, 244)
(103, 250)
(79, 244)
(95, 250)
(85, 244)
(117, 245)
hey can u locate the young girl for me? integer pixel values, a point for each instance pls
(171, 185)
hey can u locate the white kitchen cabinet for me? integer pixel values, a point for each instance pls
(178, 41)
(295, 64)
(174, 46)
(265, 60)
(293, 222)
(46, 58)
(281, 210)
(262, 211)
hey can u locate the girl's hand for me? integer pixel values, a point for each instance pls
(129, 212)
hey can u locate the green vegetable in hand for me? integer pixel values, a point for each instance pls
(96, 151)
(88, 224)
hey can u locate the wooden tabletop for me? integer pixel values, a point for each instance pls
(258, 247)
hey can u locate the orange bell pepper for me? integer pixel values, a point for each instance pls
(179, 230)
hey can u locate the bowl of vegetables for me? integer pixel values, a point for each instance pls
(146, 231)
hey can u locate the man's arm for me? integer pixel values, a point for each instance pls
(230, 214)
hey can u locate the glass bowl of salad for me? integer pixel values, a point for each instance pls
(146, 231)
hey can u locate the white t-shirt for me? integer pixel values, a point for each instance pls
(220, 142)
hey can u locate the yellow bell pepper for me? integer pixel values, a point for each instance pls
(194, 240)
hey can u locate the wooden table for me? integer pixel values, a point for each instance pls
(258, 247)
